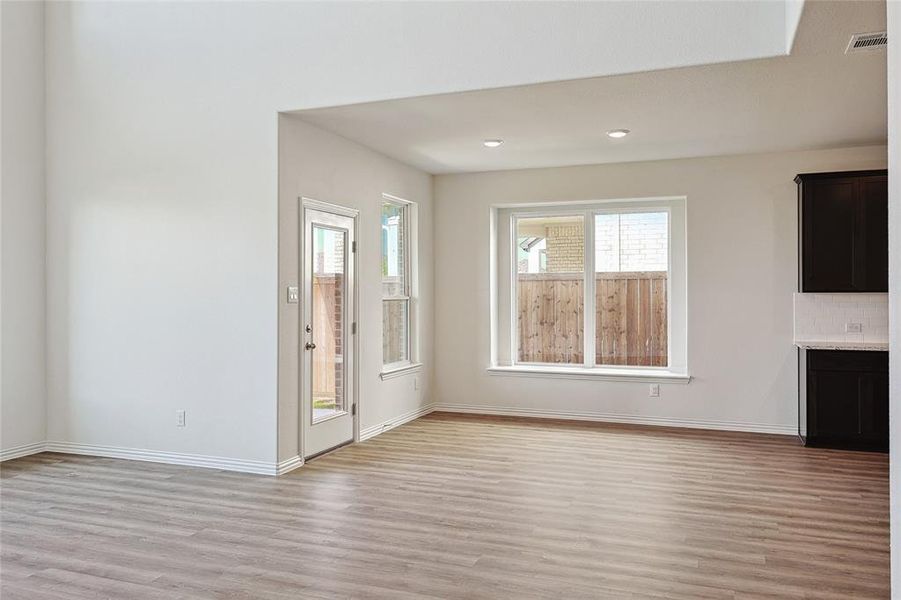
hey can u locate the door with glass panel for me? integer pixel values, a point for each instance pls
(326, 336)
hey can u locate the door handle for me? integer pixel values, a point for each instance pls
(310, 345)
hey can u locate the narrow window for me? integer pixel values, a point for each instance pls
(396, 285)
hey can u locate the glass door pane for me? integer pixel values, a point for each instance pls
(328, 322)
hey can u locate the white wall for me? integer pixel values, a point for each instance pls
(22, 387)
(162, 175)
(742, 270)
(893, 19)
(320, 165)
(793, 11)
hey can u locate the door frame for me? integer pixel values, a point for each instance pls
(305, 203)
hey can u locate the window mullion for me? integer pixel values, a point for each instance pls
(589, 311)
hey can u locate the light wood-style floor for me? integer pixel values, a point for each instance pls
(461, 507)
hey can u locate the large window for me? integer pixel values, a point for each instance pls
(598, 286)
(398, 248)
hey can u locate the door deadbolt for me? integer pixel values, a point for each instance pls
(310, 345)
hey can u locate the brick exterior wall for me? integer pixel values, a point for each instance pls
(631, 242)
(565, 249)
(624, 242)
(338, 332)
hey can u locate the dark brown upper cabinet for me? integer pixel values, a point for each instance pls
(843, 221)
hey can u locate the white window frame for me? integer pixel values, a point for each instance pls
(411, 287)
(504, 342)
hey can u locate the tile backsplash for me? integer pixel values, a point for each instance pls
(824, 317)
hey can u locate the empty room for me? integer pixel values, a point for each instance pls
(450, 300)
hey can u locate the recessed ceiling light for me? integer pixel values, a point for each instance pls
(618, 133)
(492, 143)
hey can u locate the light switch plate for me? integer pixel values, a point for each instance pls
(293, 294)
(853, 327)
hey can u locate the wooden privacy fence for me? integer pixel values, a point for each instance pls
(630, 318)
(394, 339)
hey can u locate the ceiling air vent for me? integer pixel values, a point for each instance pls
(861, 42)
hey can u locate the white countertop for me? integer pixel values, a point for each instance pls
(840, 345)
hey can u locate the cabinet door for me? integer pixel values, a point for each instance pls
(829, 227)
(847, 408)
(871, 244)
(873, 393)
(834, 405)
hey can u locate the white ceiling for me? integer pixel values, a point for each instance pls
(817, 97)
(379, 50)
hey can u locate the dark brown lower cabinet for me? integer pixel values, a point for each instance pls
(846, 404)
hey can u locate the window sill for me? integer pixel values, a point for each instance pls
(597, 374)
(401, 371)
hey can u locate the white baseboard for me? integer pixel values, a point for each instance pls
(23, 450)
(374, 430)
(619, 418)
(289, 465)
(280, 468)
(258, 467)
(194, 460)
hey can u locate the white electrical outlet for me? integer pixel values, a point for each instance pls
(654, 390)
(853, 327)
(179, 418)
